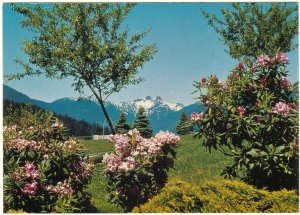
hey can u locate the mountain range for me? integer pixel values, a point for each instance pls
(162, 115)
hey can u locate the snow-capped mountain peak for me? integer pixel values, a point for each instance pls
(149, 104)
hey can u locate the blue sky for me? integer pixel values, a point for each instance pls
(188, 49)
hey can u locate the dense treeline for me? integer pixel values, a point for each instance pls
(75, 127)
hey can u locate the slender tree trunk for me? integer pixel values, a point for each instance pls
(101, 102)
(107, 116)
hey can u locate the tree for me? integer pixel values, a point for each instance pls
(84, 42)
(142, 123)
(251, 29)
(183, 127)
(122, 126)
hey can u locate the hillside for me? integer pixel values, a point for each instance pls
(75, 127)
(162, 115)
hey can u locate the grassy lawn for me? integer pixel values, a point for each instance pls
(193, 164)
(98, 146)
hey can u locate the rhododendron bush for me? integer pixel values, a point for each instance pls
(137, 169)
(253, 117)
(44, 170)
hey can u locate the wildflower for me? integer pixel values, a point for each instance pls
(263, 60)
(240, 66)
(62, 189)
(30, 189)
(222, 85)
(281, 109)
(286, 84)
(31, 171)
(111, 162)
(196, 116)
(253, 70)
(241, 111)
(281, 58)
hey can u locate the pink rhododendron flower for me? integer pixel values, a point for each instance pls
(203, 81)
(166, 137)
(240, 66)
(253, 70)
(134, 132)
(62, 189)
(281, 108)
(286, 84)
(30, 189)
(262, 81)
(222, 85)
(57, 124)
(196, 116)
(31, 171)
(281, 58)
(263, 60)
(235, 75)
(127, 164)
(241, 110)
(111, 162)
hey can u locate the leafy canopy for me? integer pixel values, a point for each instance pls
(251, 29)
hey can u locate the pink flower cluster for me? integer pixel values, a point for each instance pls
(61, 189)
(132, 150)
(241, 110)
(57, 124)
(30, 170)
(196, 116)
(82, 170)
(21, 144)
(30, 189)
(69, 145)
(281, 108)
(265, 60)
(286, 84)
(222, 85)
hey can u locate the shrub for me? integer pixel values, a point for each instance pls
(44, 170)
(253, 117)
(137, 169)
(215, 197)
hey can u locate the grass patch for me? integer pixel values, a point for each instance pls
(194, 164)
(98, 146)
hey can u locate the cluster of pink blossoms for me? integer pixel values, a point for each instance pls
(132, 150)
(30, 189)
(31, 171)
(281, 108)
(61, 189)
(222, 85)
(82, 170)
(196, 116)
(241, 110)
(285, 83)
(21, 144)
(265, 60)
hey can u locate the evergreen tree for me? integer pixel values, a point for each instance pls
(142, 123)
(183, 127)
(122, 126)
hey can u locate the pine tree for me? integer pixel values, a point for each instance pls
(122, 126)
(183, 127)
(142, 123)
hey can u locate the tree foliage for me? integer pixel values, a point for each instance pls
(183, 127)
(85, 42)
(122, 126)
(142, 124)
(251, 29)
